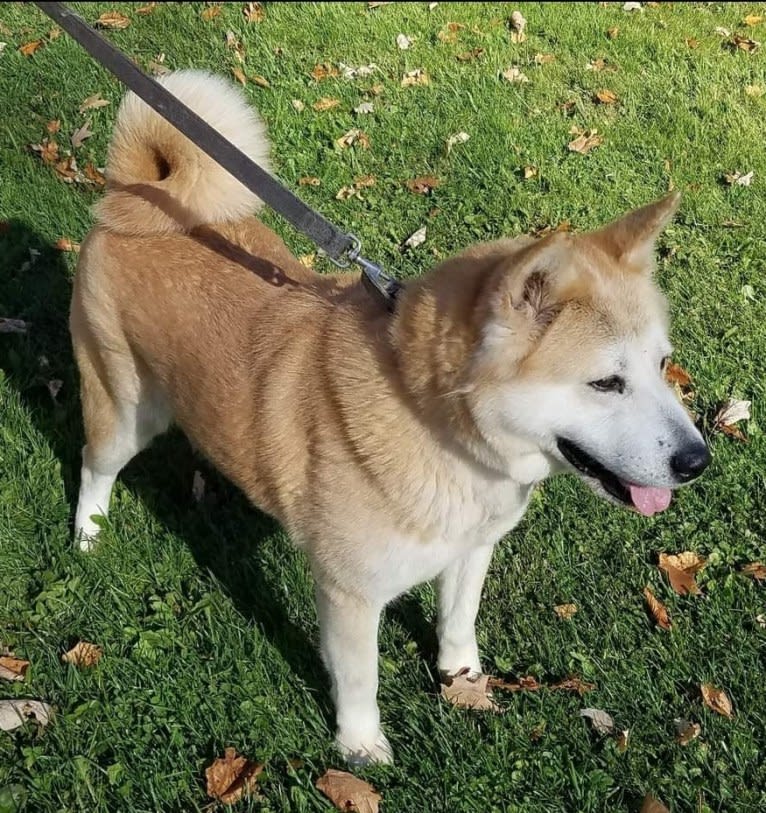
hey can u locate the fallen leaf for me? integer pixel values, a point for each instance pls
(463, 690)
(565, 611)
(13, 325)
(254, 13)
(681, 569)
(230, 777)
(364, 108)
(621, 738)
(324, 71)
(686, 731)
(29, 48)
(675, 374)
(469, 56)
(754, 90)
(79, 135)
(738, 179)
(657, 609)
(523, 684)
(601, 721)
(530, 172)
(364, 181)
(307, 260)
(348, 793)
(352, 137)
(403, 42)
(198, 486)
(235, 45)
(93, 102)
(259, 80)
(606, 96)
(518, 24)
(422, 185)
(449, 33)
(416, 77)
(613, 33)
(113, 19)
(631, 7)
(432, 6)
(350, 72)
(721, 31)
(376, 89)
(761, 619)
(53, 126)
(457, 138)
(83, 655)
(210, 13)
(67, 169)
(544, 59)
(585, 142)
(514, 75)
(756, 570)
(239, 75)
(147, 9)
(730, 414)
(157, 67)
(416, 238)
(54, 33)
(66, 244)
(308, 180)
(746, 44)
(692, 42)
(14, 713)
(48, 150)
(95, 176)
(298, 105)
(12, 668)
(573, 684)
(652, 805)
(346, 192)
(325, 104)
(598, 65)
(716, 699)
(753, 20)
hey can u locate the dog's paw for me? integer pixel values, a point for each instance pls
(359, 752)
(86, 540)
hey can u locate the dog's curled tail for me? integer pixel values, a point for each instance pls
(158, 182)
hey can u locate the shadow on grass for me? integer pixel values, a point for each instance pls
(224, 532)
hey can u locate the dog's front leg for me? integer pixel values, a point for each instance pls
(349, 640)
(459, 588)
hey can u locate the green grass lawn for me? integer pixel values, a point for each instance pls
(204, 611)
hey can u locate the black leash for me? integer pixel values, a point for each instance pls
(341, 248)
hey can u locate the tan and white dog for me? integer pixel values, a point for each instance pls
(395, 449)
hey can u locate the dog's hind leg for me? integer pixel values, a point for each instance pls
(122, 411)
(459, 590)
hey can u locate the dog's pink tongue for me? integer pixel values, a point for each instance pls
(648, 500)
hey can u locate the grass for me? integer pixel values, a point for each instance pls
(203, 609)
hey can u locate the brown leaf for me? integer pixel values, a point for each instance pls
(376, 89)
(652, 805)
(239, 75)
(657, 609)
(349, 793)
(66, 244)
(93, 175)
(210, 13)
(518, 24)
(147, 9)
(423, 184)
(468, 692)
(308, 180)
(113, 19)
(730, 414)
(29, 48)
(692, 42)
(449, 33)
(469, 56)
(686, 731)
(79, 135)
(363, 181)
(601, 721)
(416, 77)
(230, 777)
(681, 569)
(675, 374)
(717, 700)
(613, 32)
(353, 137)
(307, 260)
(621, 738)
(325, 104)
(585, 142)
(606, 96)
(48, 150)
(599, 64)
(756, 570)
(93, 102)
(235, 45)
(530, 172)
(13, 325)
(67, 169)
(741, 43)
(12, 668)
(573, 684)
(753, 20)
(83, 655)
(259, 80)
(564, 611)
(324, 71)
(544, 59)
(254, 13)
(514, 75)
(53, 126)
(524, 684)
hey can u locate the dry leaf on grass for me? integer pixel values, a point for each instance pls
(523, 684)
(518, 24)
(48, 149)
(755, 90)
(348, 793)
(730, 414)
(83, 655)
(53, 126)
(29, 48)
(573, 684)
(681, 569)
(675, 374)
(230, 777)
(457, 138)
(416, 77)
(349, 72)
(324, 71)
(544, 59)
(93, 102)
(403, 42)
(355, 190)
(325, 103)
(254, 13)
(621, 739)
(307, 260)
(298, 105)
(514, 76)
(692, 42)
(601, 722)
(235, 45)
(113, 19)
(364, 108)
(753, 20)
(147, 9)
(422, 185)
(239, 75)
(308, 180)
(259, 80)
(599, 64)
(13, 325)
(756, 570)
(740, 43)
(12, 668)
(416, 238)
(658, 610)
(564, 611)
(469, 56)
(686, 731)
(352, 138)
(652, 805)
(605, 96)
(210, 13)
(761, 620)
(467, 692)
(14, 713)
(80, 134)
(738, 179)
(449, 33)
(717, 700)
(613, 33)
(94, 175)
(530, 172)
(66, 244)
(585, 142)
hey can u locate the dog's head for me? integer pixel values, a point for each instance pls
(570, 358)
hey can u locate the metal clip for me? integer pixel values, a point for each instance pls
(375, 280)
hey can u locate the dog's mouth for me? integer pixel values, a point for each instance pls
(647, 500)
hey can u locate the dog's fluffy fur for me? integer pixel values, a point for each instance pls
(395, 449)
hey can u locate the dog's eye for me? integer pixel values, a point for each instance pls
(614, 383)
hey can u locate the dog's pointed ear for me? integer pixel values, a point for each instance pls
(631, 239)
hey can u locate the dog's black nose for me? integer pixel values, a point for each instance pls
(690, 462)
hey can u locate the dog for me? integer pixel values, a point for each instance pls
(395, 448)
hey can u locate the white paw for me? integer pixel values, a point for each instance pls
(453, 663)
(86, 536)
(359, 751)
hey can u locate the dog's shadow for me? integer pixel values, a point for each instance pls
(223, 532)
